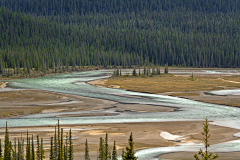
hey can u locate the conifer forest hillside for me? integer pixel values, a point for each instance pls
(47, 34)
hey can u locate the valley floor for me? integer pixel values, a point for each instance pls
(145, 135)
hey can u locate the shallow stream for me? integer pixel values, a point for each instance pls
(187, 109)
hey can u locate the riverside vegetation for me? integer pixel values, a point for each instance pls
(59, 150)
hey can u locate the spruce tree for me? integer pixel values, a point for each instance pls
(15, 149)
(70, 151)
(42, 150)
(205, 155)
(55, 144)
(86, 151)
(106, 155)
(28, 155)
(51, 157)
(66, 147)
(38, 155)
(101, 149)
(33, 151)
(129, 154)
(114, 152)
(0, 149)
(7, 146)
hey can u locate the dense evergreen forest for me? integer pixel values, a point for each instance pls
(50, 34)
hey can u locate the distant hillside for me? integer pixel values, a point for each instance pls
(49, 33)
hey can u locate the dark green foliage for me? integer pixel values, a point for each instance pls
(114, 152)
(205, 155)
(134, 73)
(70, 150)
(51, 157)
(0, 149)
(101, 149)
(28, 148)
(33, 151)
(42, 150)
(49, 34)
(86, 151)
(38, 155)
(55, 143)
(7, 146)
(129, 153)
(106, 153)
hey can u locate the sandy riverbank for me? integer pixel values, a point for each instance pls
(145, 135)
(26, 102)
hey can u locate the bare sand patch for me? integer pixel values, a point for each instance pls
(26, 102)
(2, 85)
(145, 135)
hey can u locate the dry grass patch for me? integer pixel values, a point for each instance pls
(171, 83)
(184, 94)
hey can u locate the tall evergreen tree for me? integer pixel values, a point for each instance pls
(70, 151)
(107, 155)
(42, 150)
(129, 154)
(205, 155)
(86, 151)
(38, 155)
(114, 152)
(33, 149)
(7, 146)
(101, 149)
(51, 157)
(1, 149)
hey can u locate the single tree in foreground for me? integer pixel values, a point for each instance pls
(205, 155)
(129, 153)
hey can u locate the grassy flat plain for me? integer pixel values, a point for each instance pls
(171, 83)
(181, 86)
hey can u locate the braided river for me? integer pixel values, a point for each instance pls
(187, 110)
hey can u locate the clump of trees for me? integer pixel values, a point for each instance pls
(146, 71)
(60, 149)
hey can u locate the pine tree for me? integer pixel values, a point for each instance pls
(70, 151)
(114, 152)
(42, 150)
(38, 155)
(129, 154)
(33, 151)
(28, 148)
(7, 146)
(166, 69)
(66, 150)
(106, 155)
(101, 149)
(15, 149)
(0, 149)
(205, 155)
(134, 73)
(86, 151)
(51, 157)
(55, 144)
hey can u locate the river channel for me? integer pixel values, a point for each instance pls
(75, 84)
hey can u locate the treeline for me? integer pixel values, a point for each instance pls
(50, 34)
(60, 148)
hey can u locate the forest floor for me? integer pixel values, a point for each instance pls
(145, 135)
